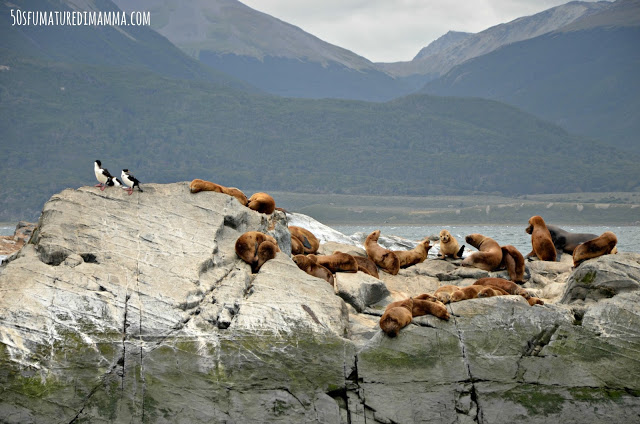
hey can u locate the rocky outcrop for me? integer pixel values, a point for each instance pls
(136, 309)
(11, 244)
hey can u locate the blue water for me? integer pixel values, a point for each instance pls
(628, 236)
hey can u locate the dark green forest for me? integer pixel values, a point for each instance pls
(57, 118)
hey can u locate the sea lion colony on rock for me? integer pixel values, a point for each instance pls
(256, 248)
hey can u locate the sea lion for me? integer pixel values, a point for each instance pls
(397, 316)
(449, 246)
(443, 293)
(566, 242)
(367, 266)
(424, 307)
(247, 248)
(488, 256)
(266, 250)
(427, 296)
(414, 256)
(312, 268)
(198, 185)
(491, 292)
(297, 248)
(309, 242)
(262, 202)
(469, 292)
(513, 262)
(602, 245)
(384, 258)
(336, 262)
(541, 240)
(506, 285)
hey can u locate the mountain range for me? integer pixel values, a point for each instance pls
(129, 97)
(531, 62)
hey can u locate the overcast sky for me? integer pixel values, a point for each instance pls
(395, 30)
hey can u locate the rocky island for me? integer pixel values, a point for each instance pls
(136, 309)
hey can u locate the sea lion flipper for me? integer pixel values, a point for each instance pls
(305, 242)
(461, 251)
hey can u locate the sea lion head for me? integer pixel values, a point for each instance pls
(535, 221)
(475, 240)
(445, 236)
(374, 236)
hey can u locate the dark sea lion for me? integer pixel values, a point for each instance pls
(566, 242)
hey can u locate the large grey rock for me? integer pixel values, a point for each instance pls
(602, 278)
(359, 290)
(136, 309)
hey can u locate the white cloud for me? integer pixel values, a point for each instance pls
(394, 30)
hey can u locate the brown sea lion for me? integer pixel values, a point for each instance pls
(247, 247)
(506, 285)
(397, 316)
(266, 250)
(513, 262)
(564, 241)
(602, 245)
(427, 296)
(262, 202)
(443, 293)
(309, 242)
(541, 240)
(336, 262)
(491, 292)
(367, 266)
(489, 254)
(414, 256)
(424, 307)
(466, 293)
(384, 258)
(312, 268)
(297, 247)
(198, 185)
(449, 246)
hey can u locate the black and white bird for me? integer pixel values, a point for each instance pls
(130, 181)
(114, 181)
(102, 175)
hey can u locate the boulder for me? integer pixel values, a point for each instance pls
(359, 289)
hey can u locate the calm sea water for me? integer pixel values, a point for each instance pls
(628, 236)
